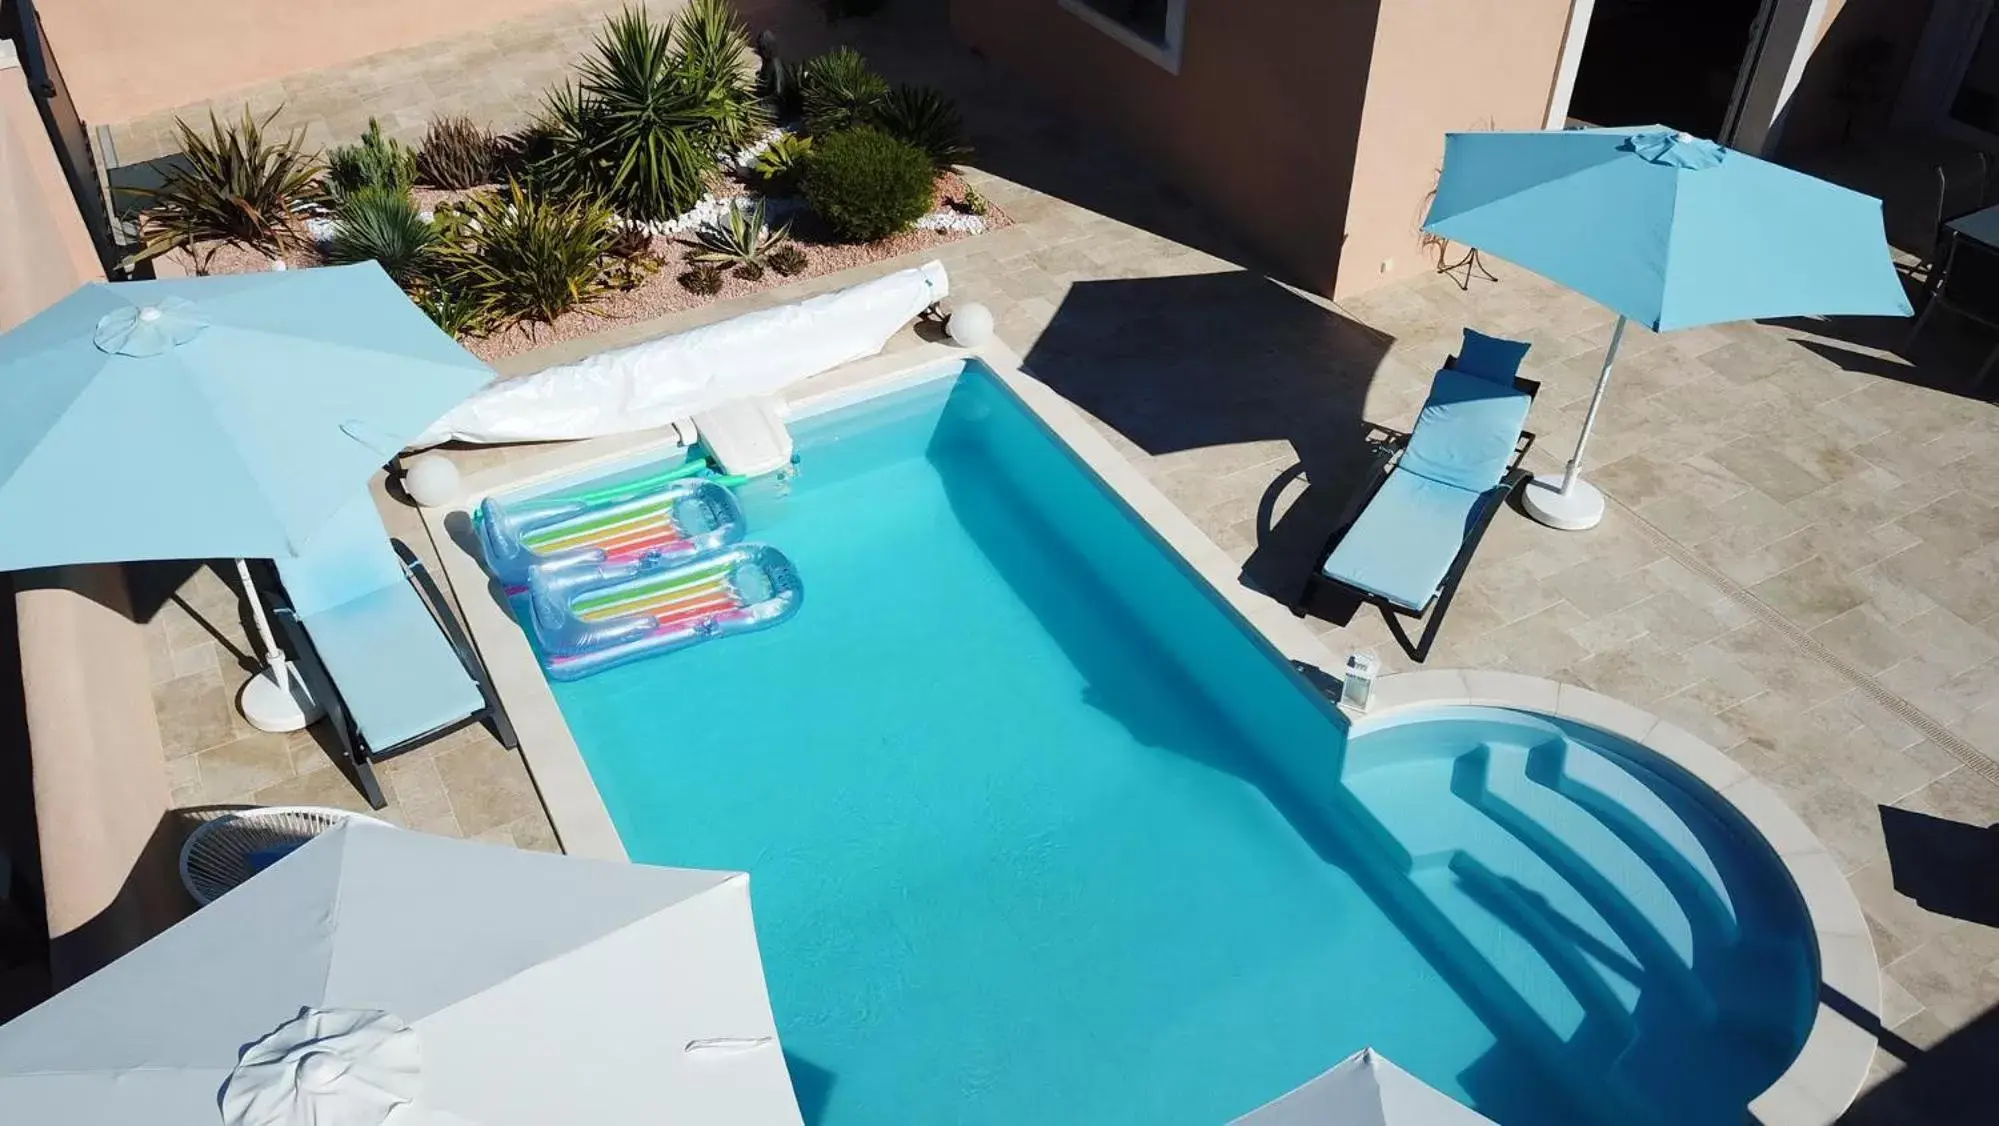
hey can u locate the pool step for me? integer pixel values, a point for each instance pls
(1587, 897)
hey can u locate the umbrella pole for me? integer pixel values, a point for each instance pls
(1575, 468)
(1568, 502)
(274, 699)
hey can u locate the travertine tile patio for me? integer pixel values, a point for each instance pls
(1798, 564)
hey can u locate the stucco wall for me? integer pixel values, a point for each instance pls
(1440, 66)
(124, 59)
(1259, 125)
(100, 785)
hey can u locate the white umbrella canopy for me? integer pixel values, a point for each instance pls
(1364, 1089)
(381, 976)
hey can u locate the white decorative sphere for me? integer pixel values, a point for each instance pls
(431, 480)
(971, 325)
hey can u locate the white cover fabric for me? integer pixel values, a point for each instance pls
(1365, 1089)
(326, 1067)
(658, 382)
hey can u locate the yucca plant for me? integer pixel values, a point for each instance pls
(232, 185)
(383, 225)
(376, 162)
(711, 47)
(840, 91)
(927, 119)
(457, 154)
(521, 256)
(743, 241)
(782, 162)
(636, 130)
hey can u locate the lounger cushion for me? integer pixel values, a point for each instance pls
(1405, 540)
(1491, 357)
(1467, 431)
(396, 672)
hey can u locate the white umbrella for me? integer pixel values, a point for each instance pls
(1364, 1089)
(377, 977)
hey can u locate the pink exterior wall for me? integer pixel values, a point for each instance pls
(127, 58)
(1440, 66)
(100, 783)
(1259, 125)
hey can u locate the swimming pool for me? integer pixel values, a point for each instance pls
(1039, 831)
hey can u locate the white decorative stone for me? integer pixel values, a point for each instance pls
(947, 220)
(431, 480)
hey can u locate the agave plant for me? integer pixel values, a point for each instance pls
(788, 260)
(383, 225)
(743, 240)
(636, 130)
(457, 154)
(520, 256)
(376, 162)
(783, 161)
(704, 280)
(711, 47)
(232, 185)
(840, 91)
(927, 119)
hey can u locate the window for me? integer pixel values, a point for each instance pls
(1151, 27)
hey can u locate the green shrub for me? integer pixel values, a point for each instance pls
(232, 185)
(457, 154)
(927, 119)
(868, 185)
(782, 162)
(521, 256)
(637, 130)
(712, 46)
(376, 162)
(976, 203)
(451, 311)
(383, 225)
(704, 280)
(840, 92)
(788, 260)
(743, 240)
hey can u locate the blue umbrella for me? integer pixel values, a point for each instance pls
(206, 417)
(1667, 230)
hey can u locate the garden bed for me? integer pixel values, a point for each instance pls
(652, 184)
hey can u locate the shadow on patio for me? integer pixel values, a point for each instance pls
(1214, 375)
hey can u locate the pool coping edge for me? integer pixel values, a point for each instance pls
(1838, 1052)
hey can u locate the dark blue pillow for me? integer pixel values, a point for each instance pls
(1490, 357)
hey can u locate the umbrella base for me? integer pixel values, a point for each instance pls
(1578, 510)
(269, 707)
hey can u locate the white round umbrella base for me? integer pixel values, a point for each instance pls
(1579, 509)
(269, 707)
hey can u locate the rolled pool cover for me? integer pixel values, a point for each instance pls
(589, 617)
(669, 516)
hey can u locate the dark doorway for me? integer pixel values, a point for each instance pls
(1671, 62)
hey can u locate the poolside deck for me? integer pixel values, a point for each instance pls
(1800, 562)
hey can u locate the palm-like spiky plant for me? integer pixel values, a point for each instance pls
(518, 256)
(457, 154)
(783, 161)
(636, 129)
(743, 240)
(712, 47)
(232, 185)
(840, 91)
(927, 119)
(383, 225)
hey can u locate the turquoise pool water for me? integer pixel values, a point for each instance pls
(1038, 832)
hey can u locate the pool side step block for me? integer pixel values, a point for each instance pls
(745, 437)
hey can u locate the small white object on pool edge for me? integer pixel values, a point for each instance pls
(431, 480)
(971, 325)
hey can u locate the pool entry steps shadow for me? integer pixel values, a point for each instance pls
(1622, 926)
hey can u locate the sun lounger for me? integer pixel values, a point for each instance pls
(379, 646)
(1406, 539)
